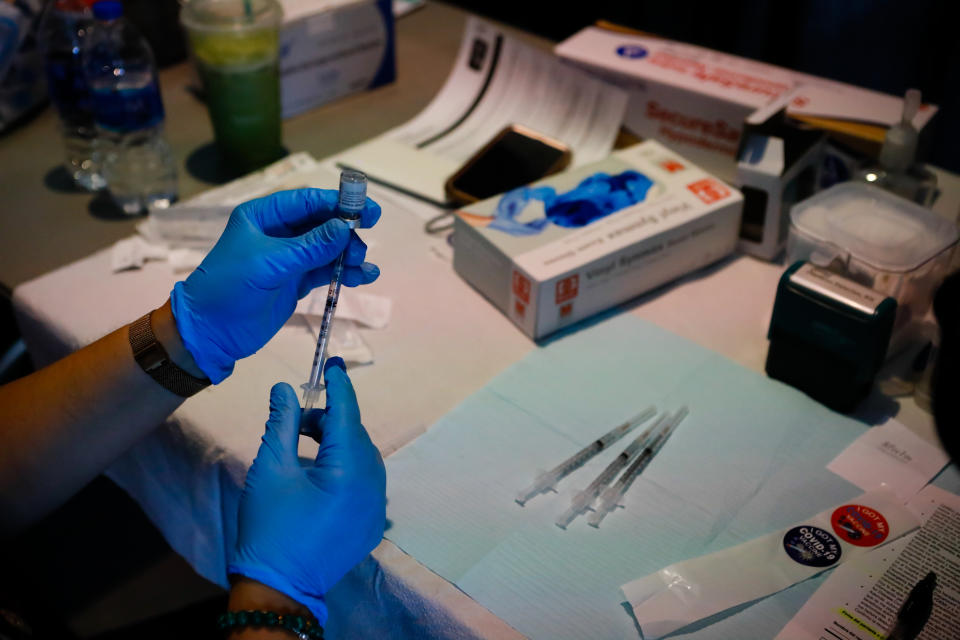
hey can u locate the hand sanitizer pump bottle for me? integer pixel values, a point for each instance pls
(897, 170)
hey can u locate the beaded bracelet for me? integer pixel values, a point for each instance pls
(305, 628)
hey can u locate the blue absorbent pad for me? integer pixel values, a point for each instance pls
(749, 459)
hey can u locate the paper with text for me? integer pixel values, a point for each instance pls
(890, 457)
(860, 600)
(496, 81)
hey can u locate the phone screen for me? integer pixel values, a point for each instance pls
(513, 161)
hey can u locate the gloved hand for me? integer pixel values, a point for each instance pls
(301, 528)
(273, 251)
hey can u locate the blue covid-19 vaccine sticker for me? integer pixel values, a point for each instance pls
(812, 546)
(631, 51)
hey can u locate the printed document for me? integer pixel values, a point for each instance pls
(496, 82)
(860, 600)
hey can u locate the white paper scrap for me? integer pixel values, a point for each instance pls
(368, 309)
(197, 222)
(345, 340)
(891, 457)
(133, 252)
(184, 259)
(860, 600)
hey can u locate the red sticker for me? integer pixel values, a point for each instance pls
(567, 289)
(520, 309)
(521, 286)
(566, 310)
(859, 525)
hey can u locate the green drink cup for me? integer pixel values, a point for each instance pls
(234, 44)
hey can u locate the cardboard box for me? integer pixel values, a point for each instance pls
(691, 99)
(695, 100)
(547, 258)
(332, 48)
(778, 165)
(854, 116)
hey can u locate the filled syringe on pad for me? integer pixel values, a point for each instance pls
(612, 495)
(547, 480)
(583, 499)
(353, 196)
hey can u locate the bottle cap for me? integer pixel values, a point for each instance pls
(353, 193)
(900, 144)
(107, 9)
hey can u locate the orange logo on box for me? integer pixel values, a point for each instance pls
(566, 310)
(520, 309)
(672, 166)
(709, 190)
(521, 286)
(567, 288)
(800, 101)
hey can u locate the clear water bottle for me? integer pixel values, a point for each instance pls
(63, 30)
(134, 155)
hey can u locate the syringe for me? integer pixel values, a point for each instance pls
(353, 196)
(585, 498)
(612, 495)
(547, 480)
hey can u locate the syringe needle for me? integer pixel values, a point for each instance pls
(353, 196)
(547, 480)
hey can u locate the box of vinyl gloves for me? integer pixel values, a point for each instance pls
(577, 243)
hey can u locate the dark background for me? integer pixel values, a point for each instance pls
(885, 45)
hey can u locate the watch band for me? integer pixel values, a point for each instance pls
(153, 359)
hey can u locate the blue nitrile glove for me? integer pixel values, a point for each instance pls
(303, 525)
(273, 251)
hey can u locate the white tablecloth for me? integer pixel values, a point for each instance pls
(444, 342)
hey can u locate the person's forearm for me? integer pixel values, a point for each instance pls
(64, 424)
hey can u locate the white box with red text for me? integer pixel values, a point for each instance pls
(579, 242)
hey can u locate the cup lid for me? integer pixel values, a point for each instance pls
(231, 15)
(875, 226)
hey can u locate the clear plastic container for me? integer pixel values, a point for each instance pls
(880, 240)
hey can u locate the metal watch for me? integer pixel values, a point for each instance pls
(154, 360)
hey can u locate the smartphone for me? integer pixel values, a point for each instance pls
(516, 156)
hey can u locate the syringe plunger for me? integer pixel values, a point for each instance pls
(605, 504)
(578, 505)
(544, 481)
